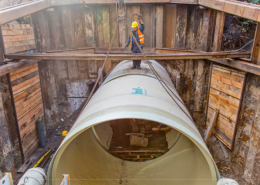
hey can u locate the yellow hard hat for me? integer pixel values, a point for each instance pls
(64, 133)
(134, 24)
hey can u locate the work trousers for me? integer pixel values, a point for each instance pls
(136, 63)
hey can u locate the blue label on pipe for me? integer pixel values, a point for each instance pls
(139, 91)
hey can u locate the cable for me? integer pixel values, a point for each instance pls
(243, 46)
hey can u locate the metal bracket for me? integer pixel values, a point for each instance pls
(120, 4)
(7, 179)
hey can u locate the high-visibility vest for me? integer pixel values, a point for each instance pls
(140, 34)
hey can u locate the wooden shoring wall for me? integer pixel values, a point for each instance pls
(77, 26)
(226, 91)
(27, 97)
(18, 37)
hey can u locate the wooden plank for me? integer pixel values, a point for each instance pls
(24, 73)
(181, 25)
(241, 9)
(83, 69)
(174, 56)
(53, 23)
(211, 125)
(99, 26)
(31, 149)
(149, 21)
(106, 27)
(27, 77)
(68, 27)
(223, 138)
(23, 69)
(223, 120)
(170, 25)
(23, 106)
(233, 71)
(90, 27)
(25, 85)
(159, 25)
(239, 64)
(113, 17)
(24, 167)
(227, 81)
(229, 103)
(32, 126)
(207, 28)
(73, 70)
(78, 50)
(78, 22)
(18, 38)
(255, 56)
(228, 74)
(223, 111)
(185, 1)
(16, 26)
(31, 145)
(11, 32)
(12, 66)
(219, 29)
(27, 92)
(90, 2)
(123, 30)
(228, 89)
(19, 43)
(30, 117)
(20, 48)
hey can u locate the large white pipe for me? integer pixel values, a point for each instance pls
(127, 94)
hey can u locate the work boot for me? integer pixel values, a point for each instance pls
(133, 67)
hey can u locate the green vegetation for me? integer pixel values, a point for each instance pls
(254, 1)
(251, 1)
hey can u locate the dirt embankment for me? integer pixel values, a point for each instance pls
(237, 33)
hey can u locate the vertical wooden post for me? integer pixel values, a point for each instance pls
(2, 47)
(218, 34)
(255, 57)
(219, 28)
(159, 26)
(170, 25)
(181, 26)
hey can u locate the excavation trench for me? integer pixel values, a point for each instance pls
(134, 132)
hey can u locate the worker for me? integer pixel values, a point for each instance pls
(138, 33)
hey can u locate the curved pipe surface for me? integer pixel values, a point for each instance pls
(134, 94)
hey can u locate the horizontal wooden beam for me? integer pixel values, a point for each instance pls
(241, 9)
(11, 66)
(239, 64)
(235, 63)
(68, 2)
(171, 56)
(14, 12)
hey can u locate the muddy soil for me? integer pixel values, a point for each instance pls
(237, 33)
